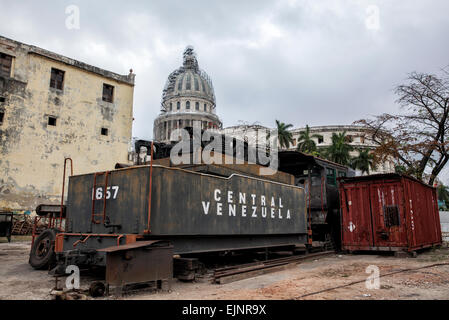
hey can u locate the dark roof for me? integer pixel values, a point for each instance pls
(289, 161)
(382, 176)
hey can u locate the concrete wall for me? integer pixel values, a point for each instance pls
(444, 219)
(31, 151)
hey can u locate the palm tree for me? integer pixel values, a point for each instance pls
(339, 150)
(305, 142)
(364, 161)
(285, 137)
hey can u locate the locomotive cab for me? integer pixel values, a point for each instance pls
(319, 179)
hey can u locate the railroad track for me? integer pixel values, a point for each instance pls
(249, 270)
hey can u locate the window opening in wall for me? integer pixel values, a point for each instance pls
(5, 65)
(331, 177)
(197, 106)
(51, 121)
(178, 105)
(57, 79)
(362, 139)
(188, 105)
(341, 174)
(188, 86)
(108, 93)
(2, 116)
(197, 85)
(320, 139)
(104, 131)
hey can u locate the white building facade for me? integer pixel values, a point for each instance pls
(357, 137)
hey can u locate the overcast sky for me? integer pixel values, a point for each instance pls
(302, 62)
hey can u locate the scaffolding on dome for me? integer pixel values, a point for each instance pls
(190, 62)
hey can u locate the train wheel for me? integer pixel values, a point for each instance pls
(42, 253)
(97, 289)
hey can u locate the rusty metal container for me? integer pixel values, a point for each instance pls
(388, 212)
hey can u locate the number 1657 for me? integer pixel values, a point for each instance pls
(110, 191)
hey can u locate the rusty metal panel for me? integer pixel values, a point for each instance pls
(388, 214)
(126, 201)
(139, 264)
(424, 226)
(403, 213)
(356, 216)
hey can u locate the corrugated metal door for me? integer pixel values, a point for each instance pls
(424, 217)
(388, 214)
(356, 216)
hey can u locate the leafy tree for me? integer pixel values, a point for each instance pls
(285, 137)
(339, 150)
(306, 143)
(364, 161)
(443, 193)
(417, 137)
(400, 169)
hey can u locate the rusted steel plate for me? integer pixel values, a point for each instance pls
(139, 265)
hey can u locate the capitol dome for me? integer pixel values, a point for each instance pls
(188, 100)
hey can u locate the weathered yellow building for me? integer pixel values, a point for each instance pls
(53, 107)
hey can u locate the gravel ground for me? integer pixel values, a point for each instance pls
(323, 278)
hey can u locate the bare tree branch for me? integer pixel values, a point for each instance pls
(416, 138)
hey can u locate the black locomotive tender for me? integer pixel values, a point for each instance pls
(134, 217)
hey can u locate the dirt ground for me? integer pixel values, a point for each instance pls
(306, 280)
